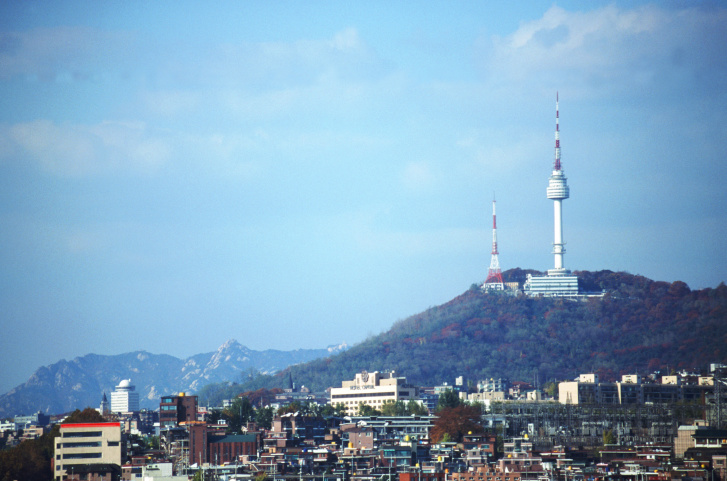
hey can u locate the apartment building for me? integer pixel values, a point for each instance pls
(174, 410)
(85, 448)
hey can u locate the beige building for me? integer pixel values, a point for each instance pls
(631, 390)
(486, 396)
(673, 380)
(83, 444)
(373, 389)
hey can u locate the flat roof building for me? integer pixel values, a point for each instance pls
(174, 410)
(551, 286)
(588, 390)
(373, 389)
(84, 446)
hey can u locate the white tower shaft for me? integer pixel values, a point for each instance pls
(558, 244)
(558, 191)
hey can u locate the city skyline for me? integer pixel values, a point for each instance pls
(175, 175)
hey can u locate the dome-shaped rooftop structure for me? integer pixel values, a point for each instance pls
(124, 384)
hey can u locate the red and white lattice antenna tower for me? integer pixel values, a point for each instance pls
(494, 276)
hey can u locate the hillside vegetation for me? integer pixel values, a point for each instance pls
(639, 326)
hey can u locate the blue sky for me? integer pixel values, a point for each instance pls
(300, 174)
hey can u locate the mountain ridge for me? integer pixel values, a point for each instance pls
(639, 325)
(67, 385)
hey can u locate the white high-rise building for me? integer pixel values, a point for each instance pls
(124, 399)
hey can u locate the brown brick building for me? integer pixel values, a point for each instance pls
(174, 410)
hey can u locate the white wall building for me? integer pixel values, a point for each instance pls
(124, 399)
(373, 389)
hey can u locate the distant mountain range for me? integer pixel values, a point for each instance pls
(81, 382)
(639, 326)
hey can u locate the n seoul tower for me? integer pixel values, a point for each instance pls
(558, 191)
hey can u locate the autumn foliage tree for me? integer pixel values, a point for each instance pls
(453, 423)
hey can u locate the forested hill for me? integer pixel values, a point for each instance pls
(639, 326)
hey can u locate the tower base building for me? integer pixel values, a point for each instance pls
(552, 285)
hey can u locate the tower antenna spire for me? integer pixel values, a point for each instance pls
(494, 275)
(556, 165)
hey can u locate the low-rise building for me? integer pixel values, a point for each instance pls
(479, 449)
(228, 449)
(630, 390)
(37, 419)
(392, 428)
(551, 286)
(88, 447)
(373, 389)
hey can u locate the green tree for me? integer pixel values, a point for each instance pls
(88, 415)
(264, 417)
(329, 410)
(448, 399)
(416, 408)
(394, 408)
(152, 442)
(550, 389)
(340, 410)
(293, 407)
(238, 414)
(311, 409)
(609, 437)
(366, 410)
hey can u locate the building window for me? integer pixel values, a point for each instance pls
(81, 455)
(82, 434)
(89, 444)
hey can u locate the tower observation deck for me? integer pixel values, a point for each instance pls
(558, 282)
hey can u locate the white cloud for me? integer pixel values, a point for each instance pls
(418, 176)
(60, 54)
(611, 47)
(78, 150)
